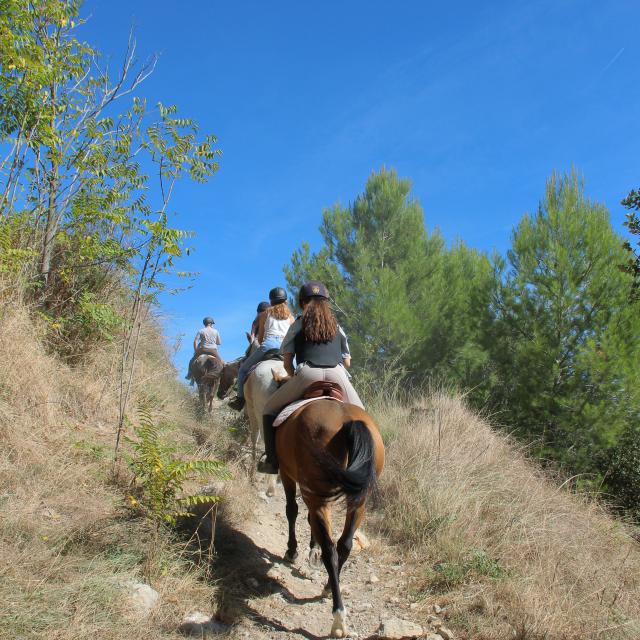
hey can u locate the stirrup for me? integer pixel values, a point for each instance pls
(266, 466)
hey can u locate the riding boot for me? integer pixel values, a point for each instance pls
(270, 463)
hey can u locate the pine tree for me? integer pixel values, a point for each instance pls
(563, 341)
(403, 298)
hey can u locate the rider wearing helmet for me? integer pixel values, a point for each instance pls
(206, 341)
(321, 350)
(255, 325)
(273, 324)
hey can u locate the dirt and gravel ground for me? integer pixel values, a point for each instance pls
(265, 597)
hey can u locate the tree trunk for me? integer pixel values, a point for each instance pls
(52, 213)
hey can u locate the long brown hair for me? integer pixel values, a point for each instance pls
(318, 322)
(279, 311)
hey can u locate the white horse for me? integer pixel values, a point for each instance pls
(257, 389)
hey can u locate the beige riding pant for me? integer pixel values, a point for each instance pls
(294, 388)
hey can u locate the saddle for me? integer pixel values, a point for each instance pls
(324, 389)
(315, 391)
(273, 354)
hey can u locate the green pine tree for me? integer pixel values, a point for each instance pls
(402, 296)
(564, 345)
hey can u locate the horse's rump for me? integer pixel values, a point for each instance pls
(335, 450)
(358, 478)
(208, 367)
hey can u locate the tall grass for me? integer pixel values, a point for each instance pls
(66, 539)
(514, 553)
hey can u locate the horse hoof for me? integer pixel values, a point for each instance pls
(315, 557)
(290, 557)
(326, 592)
(339, 627)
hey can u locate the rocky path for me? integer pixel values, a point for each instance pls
(264, 597)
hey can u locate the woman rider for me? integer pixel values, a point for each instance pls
(322, 353)
(255, 325)
(273, 324)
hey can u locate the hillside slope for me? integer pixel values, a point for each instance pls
(514, 552)
(461, 513)
(68, 543)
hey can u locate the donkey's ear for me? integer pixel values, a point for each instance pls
(248, 336)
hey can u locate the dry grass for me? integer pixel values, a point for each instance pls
(511, 553)
(514, 554)
(66, 538)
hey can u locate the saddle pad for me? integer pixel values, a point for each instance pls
(294, 406)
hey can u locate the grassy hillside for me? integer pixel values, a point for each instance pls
(513, 552)
(510, 552)
(67, 539)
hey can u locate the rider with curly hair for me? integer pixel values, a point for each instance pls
(273, 324)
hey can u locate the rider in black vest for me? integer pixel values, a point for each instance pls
(318, 354)
(322, 353)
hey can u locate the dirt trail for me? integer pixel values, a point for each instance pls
(265, 597)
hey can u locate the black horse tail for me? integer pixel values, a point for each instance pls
(359, 478)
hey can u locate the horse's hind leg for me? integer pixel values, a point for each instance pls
(345, 542)
(213, 389)
(271, 484)
(314, 550)
(289, 486)
(321, 530)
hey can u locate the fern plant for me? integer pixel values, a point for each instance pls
(161, 476)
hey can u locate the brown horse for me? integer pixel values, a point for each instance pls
(228, 376)
(330, 450)
(206, 371)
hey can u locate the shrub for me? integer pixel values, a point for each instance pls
(161, 477)
(623, 477)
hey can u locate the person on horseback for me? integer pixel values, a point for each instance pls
(255, 325)
(273, 325)
(321, 350)
(206, 341)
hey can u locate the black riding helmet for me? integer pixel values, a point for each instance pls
(277, 295)
(263, 306)
(208, 320)
(312, 289)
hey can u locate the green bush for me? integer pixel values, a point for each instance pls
(161, 477)
(623, 473)
(475, 564)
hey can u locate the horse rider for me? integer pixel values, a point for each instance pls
(322, 353)
(255, 325)
(273, 324)
(205, 342)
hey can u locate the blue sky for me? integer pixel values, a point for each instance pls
(476, 102)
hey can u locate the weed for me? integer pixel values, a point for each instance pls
(161, 476)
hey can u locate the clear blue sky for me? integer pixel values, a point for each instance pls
(476, 102)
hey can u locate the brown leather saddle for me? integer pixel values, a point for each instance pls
(324, 389)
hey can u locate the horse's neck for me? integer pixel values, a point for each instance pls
(251, 348)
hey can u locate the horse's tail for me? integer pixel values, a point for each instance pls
(359, 478)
